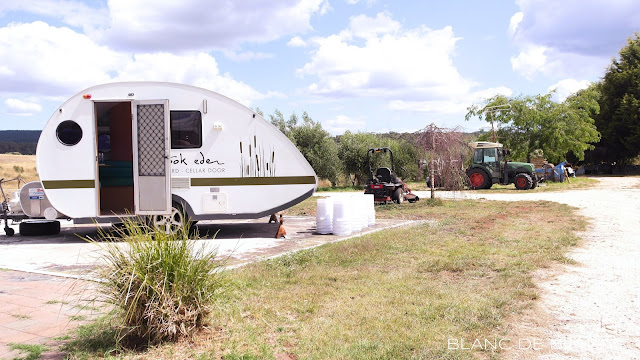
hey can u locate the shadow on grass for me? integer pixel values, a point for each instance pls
(98, 338)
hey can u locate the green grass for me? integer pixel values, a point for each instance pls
(32, 351)
(394, 294)
(577, 183)
(399, 293)
(340, 188)
(572, 184)
(96, 339)
(53, 302)
(21, 316)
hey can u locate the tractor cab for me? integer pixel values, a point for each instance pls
(384, 184)
(490, 158)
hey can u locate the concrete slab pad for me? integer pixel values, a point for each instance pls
(69, 255)
(39, 277)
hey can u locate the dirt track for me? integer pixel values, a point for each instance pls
(590, 310)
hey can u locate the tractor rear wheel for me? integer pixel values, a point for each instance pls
(478, 179)
(523, 181)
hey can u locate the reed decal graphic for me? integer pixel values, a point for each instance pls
(257, 160)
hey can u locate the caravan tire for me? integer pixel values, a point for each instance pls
(174, 222)
(39, 227)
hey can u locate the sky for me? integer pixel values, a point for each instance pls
(358, 65)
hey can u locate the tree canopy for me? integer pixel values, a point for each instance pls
(619, 117)
(315, 143)
(538, 122)
(353, 154)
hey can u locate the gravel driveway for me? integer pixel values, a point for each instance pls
(590, 310)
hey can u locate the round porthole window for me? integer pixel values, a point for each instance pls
(69, 132)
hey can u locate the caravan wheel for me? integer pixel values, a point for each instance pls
(172, 223)
(39, 227)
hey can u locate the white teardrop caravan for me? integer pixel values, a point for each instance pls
(146, 148)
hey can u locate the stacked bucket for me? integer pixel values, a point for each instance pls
(344, 215)
(324, 216)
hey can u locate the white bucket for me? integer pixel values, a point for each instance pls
(370, 209)
(324, 216)
(342, 217)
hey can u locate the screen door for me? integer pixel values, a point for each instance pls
(152, 172)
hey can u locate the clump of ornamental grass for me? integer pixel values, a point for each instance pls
(162, 285)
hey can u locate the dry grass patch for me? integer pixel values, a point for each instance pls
(12, 166)
(395, 294)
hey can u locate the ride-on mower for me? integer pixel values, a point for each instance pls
(384, 184)
(489, 166)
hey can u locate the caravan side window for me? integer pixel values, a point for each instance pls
(186, 129)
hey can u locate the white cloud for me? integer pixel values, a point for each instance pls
(449, 106)
(595, 28)
(365, 27)
(342, 123)
(391, 62)
(296, 41)
(578, 37)
(408, 69)
(247, 55)
(564, 88)
(514, 22)
(436, 106)
(70, 12)
(167, 25)
(530, 61)
(5, 71)
(198, 69)
(20, 107)
(45, 60)
(368, 2)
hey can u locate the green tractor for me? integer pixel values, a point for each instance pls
(489, 166)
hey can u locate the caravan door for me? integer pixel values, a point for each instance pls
(151, 149)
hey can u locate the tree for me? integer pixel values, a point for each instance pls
(353, 154)
(619, 118)
(320, 150)
(285, 126)
(537, 122)
(315, 143)
(444, 150)
(352, 151)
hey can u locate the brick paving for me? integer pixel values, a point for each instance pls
(37, 308)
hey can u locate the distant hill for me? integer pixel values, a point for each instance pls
(22, 141)
(20, 136)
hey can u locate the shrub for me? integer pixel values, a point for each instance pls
(162, 285)
(18, 169)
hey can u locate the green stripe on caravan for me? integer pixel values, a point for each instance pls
(68, 184)
(280, 180)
